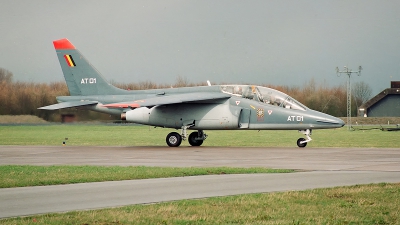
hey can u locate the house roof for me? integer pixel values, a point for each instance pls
(380, 96)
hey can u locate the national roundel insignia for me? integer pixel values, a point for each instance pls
(70, 60)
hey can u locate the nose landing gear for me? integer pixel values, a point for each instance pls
(301, 142)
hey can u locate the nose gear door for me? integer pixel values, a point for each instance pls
(244, 119)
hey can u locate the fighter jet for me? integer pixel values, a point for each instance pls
(213, 107)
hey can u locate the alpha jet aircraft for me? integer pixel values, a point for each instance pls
(216, 107)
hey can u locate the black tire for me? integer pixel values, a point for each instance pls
(301, 145)
(192, 139)
(174, 139)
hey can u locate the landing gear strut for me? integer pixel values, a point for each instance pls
(301, 142)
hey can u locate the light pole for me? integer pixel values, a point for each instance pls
(348, 72)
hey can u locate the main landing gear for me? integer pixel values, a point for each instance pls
(174, 139)
(301, 142)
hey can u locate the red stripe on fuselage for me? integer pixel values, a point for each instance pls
(122, 105)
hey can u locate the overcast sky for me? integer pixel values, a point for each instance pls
(262, 42)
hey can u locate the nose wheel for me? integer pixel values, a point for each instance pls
(301, 142)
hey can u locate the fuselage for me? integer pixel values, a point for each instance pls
(249, 107)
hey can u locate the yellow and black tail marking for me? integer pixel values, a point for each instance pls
(70, 60)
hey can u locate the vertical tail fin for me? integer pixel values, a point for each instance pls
(81, 77)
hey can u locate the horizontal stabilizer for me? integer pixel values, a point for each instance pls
(64, 105)
(170, 99)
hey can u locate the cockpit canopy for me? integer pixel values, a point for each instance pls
(263, 95)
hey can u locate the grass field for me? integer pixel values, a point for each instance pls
(360, 204)
(132, 135)
(22, 176)
(21, 119)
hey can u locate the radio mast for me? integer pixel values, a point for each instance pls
(348, 72)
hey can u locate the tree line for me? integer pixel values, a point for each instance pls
(23, 98)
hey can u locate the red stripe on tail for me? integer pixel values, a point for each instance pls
(63, 44)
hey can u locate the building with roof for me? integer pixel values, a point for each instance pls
(384, 104)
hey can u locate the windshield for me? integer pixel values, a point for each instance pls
(264, 95)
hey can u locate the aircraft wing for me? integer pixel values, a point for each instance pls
(170, 99)
(64, 105)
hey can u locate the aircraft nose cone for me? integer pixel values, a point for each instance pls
(340, 122)
(335, 122)
(327, 121)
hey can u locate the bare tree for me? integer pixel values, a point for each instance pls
(361, 92)
(5, 75)
(181, 81)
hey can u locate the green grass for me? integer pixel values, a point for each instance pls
(22, 176)
(21, 119)
(360, 204)
(129, 135)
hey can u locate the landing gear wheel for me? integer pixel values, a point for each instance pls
(301, 145)
(174, 139)
(192, 139)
